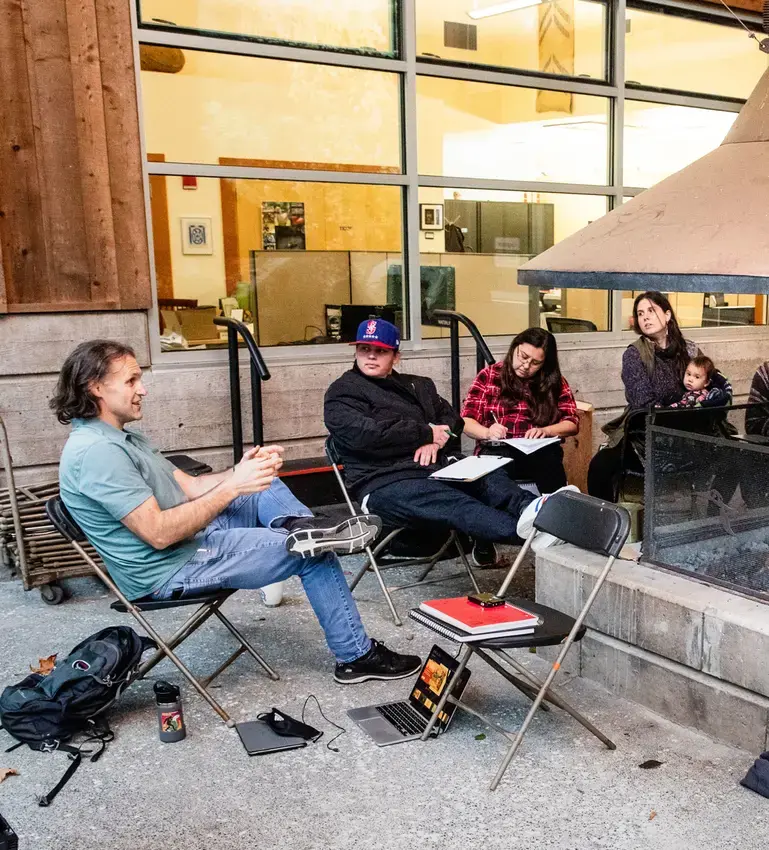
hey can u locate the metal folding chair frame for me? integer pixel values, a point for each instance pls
(372, 553)
(539, 691)
(167, 646)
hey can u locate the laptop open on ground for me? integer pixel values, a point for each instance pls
(395, 722)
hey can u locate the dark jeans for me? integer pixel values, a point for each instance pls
(544, 467)
(487, 509)
(606, 467)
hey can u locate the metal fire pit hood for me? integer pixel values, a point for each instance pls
(704, 229)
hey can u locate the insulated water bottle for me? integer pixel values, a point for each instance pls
(170, 715)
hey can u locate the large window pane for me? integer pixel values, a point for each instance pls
(273, 113)
(567, 37)
(672, 52)
(471, 265)
(706, 309)
(293, 256)
(511, 133)
(662, 139)
(366, 26)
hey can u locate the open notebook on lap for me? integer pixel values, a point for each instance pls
(395, 722)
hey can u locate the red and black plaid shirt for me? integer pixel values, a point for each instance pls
(483, 403)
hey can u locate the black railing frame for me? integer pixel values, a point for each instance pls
(483, 355)
(259, 373)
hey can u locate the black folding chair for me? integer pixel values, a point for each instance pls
(575, 518)
(208, 604)
(386, 540)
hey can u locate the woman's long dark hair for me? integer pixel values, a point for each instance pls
(543, 389)
(676, 348)
(88, 363)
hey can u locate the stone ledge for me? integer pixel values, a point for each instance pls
(678, 693)
(677, 618)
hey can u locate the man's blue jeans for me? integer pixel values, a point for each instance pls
(244, 549)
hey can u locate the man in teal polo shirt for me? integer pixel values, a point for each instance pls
(167, 534)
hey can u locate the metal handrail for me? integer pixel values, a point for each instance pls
(259, 373)
(483, 355)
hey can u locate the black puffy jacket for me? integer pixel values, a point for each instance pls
(378, 423)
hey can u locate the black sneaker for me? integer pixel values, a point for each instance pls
(378, 663)
(310, 536)
(484, 554)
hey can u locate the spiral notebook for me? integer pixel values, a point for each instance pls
(460, 636)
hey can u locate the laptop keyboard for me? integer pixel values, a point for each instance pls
(403, 718)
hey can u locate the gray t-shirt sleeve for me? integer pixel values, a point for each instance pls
(110, 477)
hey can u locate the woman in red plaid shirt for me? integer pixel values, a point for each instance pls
(525, 396)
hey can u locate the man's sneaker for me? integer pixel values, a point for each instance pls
(311, 536)
(378, 663)
(529, 514)
(484, 554)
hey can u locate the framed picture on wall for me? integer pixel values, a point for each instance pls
(196, 236)
(431, 216)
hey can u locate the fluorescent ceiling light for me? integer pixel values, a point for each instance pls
(501, 8)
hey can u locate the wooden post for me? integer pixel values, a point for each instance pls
(72, 221)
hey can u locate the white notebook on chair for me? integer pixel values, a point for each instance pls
(470, 468)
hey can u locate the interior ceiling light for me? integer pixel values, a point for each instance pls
(501, 8)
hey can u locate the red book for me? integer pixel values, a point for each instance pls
(460, 612)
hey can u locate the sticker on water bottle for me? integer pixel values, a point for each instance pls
(171, 721)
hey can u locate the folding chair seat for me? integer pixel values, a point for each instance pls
(385, 540)
(207, 604)
(587, 523)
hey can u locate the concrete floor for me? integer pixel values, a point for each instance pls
(563, 791)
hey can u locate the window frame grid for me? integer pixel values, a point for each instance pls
(409, 66)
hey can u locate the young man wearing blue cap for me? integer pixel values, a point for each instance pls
(391, 431)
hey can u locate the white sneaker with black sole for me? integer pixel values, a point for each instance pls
(311, 536)
(526, 521)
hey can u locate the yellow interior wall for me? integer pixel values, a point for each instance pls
(237, 106)
(354, 23)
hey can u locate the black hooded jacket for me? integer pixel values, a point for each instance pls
(378, 423)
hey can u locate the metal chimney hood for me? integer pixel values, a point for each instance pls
(703, 229)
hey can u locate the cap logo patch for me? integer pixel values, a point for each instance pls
(371, 328)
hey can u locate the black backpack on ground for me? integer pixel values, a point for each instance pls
(45, 712)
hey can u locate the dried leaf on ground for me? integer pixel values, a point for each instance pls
(6, 772)
(652, 815)
(650, 763)
(44, 665)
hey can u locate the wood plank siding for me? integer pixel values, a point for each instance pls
(72, 218)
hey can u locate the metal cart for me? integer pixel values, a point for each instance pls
(29, 544)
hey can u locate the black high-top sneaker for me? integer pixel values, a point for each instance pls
(378, 663)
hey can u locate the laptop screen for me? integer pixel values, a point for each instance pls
(431, 683)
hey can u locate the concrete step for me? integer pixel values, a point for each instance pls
(694, 653)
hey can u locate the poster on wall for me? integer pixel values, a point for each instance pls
(196, 236)
(283, 226)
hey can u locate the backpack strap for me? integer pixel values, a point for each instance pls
(76, 759)
(101, 733)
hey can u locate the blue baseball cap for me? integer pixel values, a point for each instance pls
(379, 333)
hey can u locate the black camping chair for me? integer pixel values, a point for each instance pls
(386, 539)
(575, 518)
(208, 604)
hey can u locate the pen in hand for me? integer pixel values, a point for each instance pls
(448, 430)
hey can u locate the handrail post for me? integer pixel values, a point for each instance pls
(259, 373)
(237, 422)
(455, 363)
(256, 406)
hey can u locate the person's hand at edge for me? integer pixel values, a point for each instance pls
(496, 431)
(536, 433)
(441, 434)
(427, 454)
